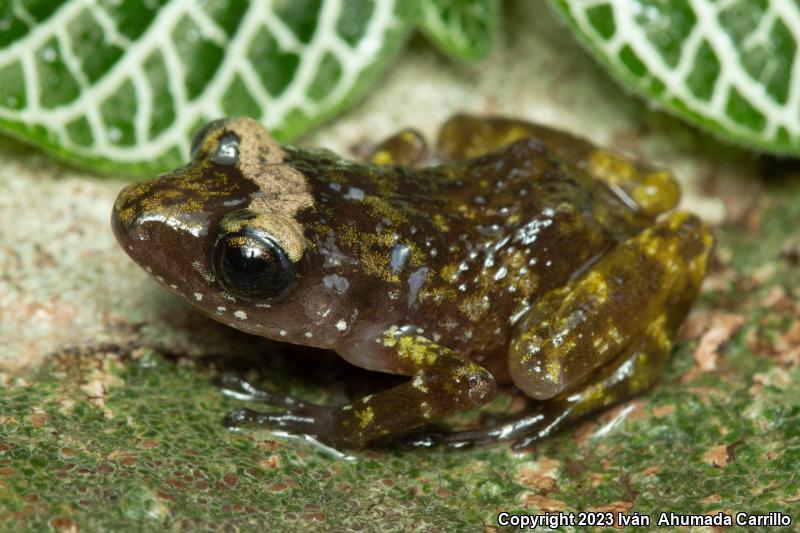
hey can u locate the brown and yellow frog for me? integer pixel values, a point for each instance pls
(514, 253)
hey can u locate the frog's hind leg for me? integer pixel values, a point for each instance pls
(604, 337)
(648, 191)
(633, 372)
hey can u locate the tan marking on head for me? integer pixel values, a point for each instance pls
(282, 191)
(286, 232)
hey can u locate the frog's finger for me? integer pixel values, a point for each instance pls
(646, 190)
(305, 421)
(236, 387)
(572, 331)
(407, 148)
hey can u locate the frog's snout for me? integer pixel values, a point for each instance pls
(125, 217)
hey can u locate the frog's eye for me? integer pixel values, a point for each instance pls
(200, 134)
(253, 266)
(227, 152)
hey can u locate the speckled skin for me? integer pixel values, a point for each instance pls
(516, 252)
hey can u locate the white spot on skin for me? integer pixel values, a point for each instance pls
(173, 287)
(221, 309)
(198, 267)
(419, 384)
(198, 296)
(426, 409)
(282, 333)
(399, 256)
(415, 282)
(341, 325)
(241, 315)
(354, 193)
(336, 282)
(309, 334)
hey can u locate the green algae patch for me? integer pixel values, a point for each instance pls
(126, 438)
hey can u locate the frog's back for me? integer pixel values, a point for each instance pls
(465, 248)
(516, 223)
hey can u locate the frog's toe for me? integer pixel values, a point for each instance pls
(523, 429)
(436, 439)
(527, 441)
(453, 439)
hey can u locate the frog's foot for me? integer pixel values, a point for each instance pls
(533, 424)
(235, 387)
(407, 148)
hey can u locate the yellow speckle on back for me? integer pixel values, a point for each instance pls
(380, 208)
(441, 223)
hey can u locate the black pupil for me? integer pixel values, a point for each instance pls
(254, 268)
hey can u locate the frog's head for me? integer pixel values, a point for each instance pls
(223, 232)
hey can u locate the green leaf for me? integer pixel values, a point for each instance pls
(463, 29)
(121, 85)
(731, 67)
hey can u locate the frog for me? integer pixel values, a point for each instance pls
(510, 254)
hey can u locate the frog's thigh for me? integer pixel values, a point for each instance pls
(407, 147)
(572, 331)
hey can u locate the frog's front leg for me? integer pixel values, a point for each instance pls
(603, 338)
(443, 383)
